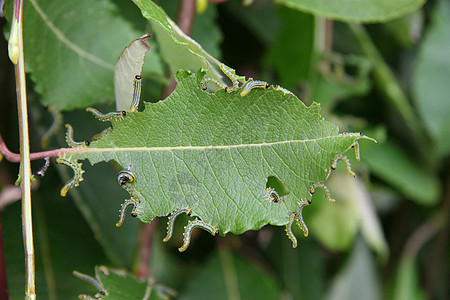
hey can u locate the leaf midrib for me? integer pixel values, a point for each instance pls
(116, 149)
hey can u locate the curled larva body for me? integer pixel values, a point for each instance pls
(288, 229)
(137, 93)
(188, 231)
(123, 209)
(254, 84)
(171, 221)
(220, 85)
(205, 81)
(356, 146)
(93, 281)
(232, 77)
(107, 117)
(125, 176)
(343, 158)
(44, 168)
(57, 121)
(102, 134)
(272, 195)
(323, 187)
(285, 91)
(70, 141)
(78, 174)
(299, 217)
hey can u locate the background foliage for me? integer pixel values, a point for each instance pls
(385, 237)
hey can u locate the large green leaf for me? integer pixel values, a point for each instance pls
(214, 153)
(358, 277)
(356, 11)
(431, 79)
(71, 48)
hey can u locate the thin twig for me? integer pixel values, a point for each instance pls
(16, 54)
(424, 233)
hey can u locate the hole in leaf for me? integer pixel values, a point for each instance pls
(275, 183)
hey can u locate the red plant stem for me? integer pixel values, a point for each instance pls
(186, 15)
(15, 157)
(185, 18)
(435, 268)
(146, 234)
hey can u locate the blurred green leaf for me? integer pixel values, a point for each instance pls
(336, 224)
(406, 30)
(301, 271)
(356, 11)
(358, 279)
(334, 82)
(391, 164)
(177, 49)
(292, 51)
(228, 276)
(120, 285)
(206, 31)
(371, 227)
(406, 285)
(260, 18)
(71, 48)
(431, 79)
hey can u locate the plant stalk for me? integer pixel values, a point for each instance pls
(16, 54)
(389, 86)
